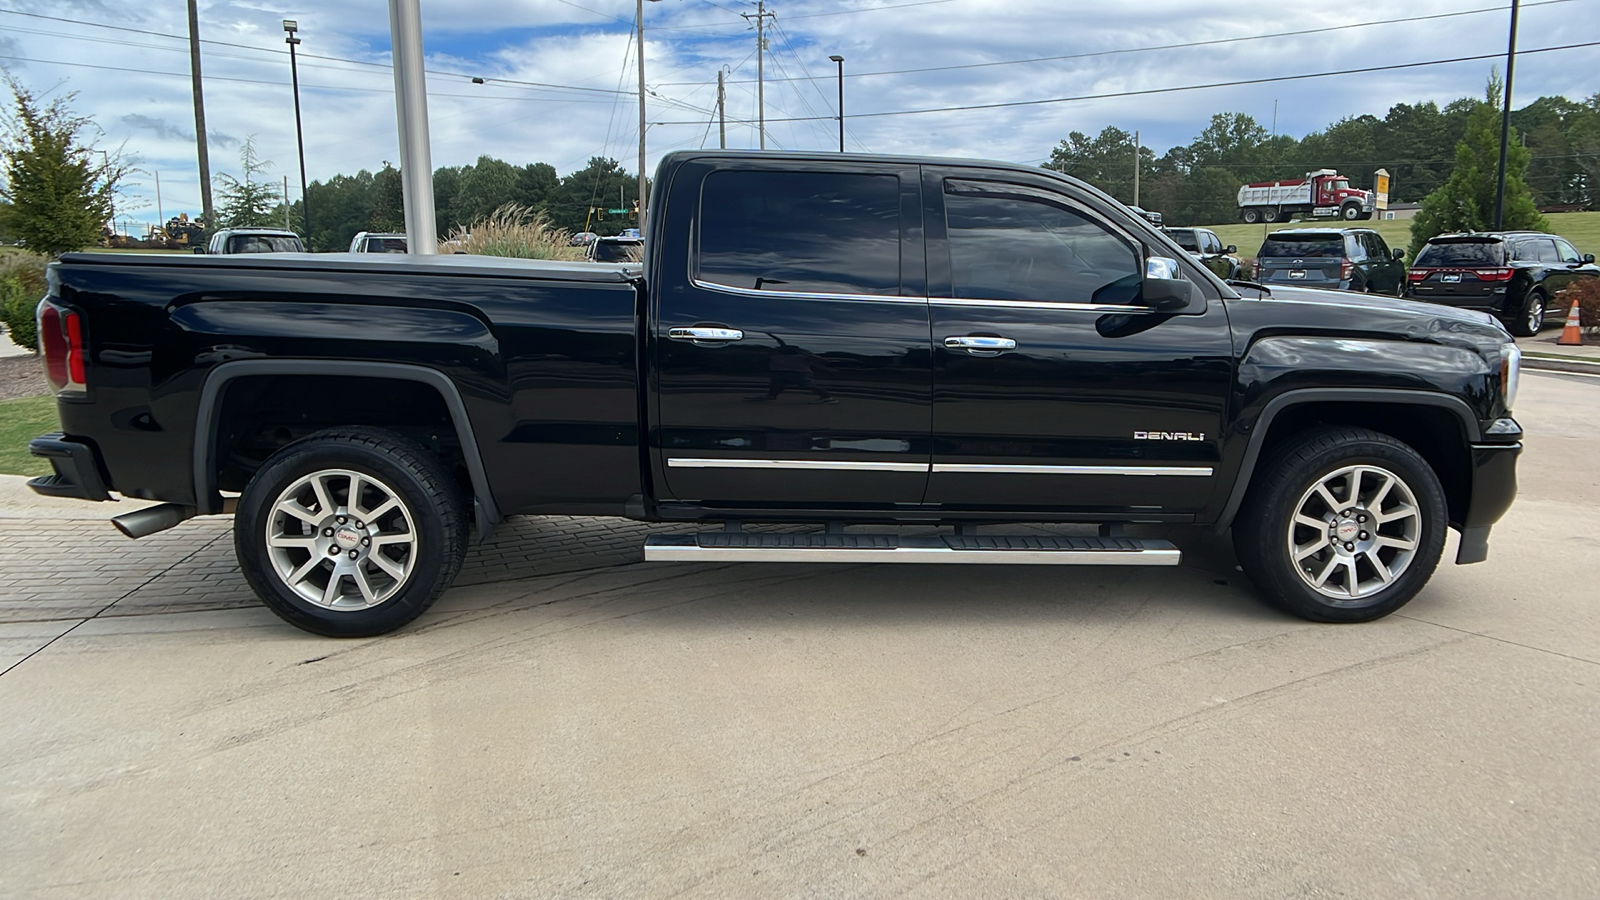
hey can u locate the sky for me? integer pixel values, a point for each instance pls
(560, 83)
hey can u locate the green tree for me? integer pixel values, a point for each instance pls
(58, 199)
(248, 202)
(1105, 160)
(1466, 201)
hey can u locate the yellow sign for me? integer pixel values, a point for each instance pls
(1380, 187)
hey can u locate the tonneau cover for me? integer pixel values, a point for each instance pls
(389, 263)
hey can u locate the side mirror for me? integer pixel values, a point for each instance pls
(1231, 249)
(1165, 290)
(1397, 253)
(200, 250)
(1588, 257)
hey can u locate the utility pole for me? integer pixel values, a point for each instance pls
(722, 113)
(161, 217)
(1505, 123)
(1137, 165)
(761, 16)
(840, 61)
(199, 119)
(286, 204)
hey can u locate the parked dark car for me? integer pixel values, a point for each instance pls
(1204, 245)
(1350, 259)
(1511, 274)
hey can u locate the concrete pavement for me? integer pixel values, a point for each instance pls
(700, 730)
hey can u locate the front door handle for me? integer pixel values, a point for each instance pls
(701, 334)
(980, 344)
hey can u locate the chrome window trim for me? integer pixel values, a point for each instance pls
(1007, 469)
(1041, 304)
(802, 295)
(679, 462)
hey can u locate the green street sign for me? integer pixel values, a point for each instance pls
(617, 212)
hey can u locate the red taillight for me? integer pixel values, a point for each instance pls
(1346, 269)
(61, 341)
(1417, 275)
(1493, 274)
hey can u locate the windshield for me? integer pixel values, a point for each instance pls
(1186, 240)
(1332, 245)
(1340, 185)
(618, 251)
(264, 243)
(386, 245)
(1462, 253)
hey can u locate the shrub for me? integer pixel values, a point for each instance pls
(22, 285)
(1587, 294)
(515, 231)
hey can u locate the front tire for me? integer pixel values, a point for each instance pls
(1350, 212)
(350, 533)
(1344, 525)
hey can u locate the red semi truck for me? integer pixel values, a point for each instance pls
(1323, 194)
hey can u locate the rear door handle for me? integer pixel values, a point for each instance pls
(980, 344)
(701, 334)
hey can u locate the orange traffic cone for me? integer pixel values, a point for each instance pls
(1572, 335)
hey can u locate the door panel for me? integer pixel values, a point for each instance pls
(792, 362)
(1101, 408)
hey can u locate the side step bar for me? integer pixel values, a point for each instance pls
(891, 548)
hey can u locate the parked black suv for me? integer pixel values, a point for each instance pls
(1204, 245)
(1351, 259)
(1512, 274)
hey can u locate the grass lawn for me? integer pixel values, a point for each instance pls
(1581, 228)
(20, 422)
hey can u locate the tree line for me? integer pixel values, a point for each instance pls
(1197, 183)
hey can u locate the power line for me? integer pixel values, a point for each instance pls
(1180, 46)
(1191, 87)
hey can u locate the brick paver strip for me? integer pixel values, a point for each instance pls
(55, 570)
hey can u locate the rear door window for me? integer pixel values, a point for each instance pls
(801, 232)
(1462, 254)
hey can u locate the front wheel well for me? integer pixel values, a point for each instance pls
(1434, 432)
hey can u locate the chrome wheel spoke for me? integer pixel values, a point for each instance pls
(1346, 531)
(347, 537)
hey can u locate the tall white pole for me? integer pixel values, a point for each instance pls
(640, 23)
(411, 111)
(161, 216)
(1137, 162)
(286, 203)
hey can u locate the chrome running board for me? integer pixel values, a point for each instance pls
(892, 548)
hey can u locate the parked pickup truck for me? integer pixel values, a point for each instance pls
(811, 338)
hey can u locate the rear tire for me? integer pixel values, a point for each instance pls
(350, 532)
(1342, 525)
(1530, 319)
(1271, 215)
(1250, 215)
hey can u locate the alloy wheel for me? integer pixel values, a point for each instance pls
(343, 540)
(1354, 532)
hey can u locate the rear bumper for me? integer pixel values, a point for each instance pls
(77, 469)
(1494, 486)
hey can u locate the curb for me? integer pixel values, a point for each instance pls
(1549, 363)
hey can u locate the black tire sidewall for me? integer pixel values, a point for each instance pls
(432, 571)
(1261, 540)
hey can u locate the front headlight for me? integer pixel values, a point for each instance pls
(1510, 373)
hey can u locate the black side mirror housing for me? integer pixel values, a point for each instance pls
(1588, 257)
(1397, 253)
(1231, 249)
(1175, 296)
(200, 250)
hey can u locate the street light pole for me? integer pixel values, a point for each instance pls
(290, 26)
(840, 60)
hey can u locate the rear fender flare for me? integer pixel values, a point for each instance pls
(1263, 425)
(207, 500)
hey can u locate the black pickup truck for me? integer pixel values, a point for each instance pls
(811, 338)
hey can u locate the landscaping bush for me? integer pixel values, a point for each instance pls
(1587, 295)
(512, 230)
(22, 285)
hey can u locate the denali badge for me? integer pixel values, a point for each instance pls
(1168, 436)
